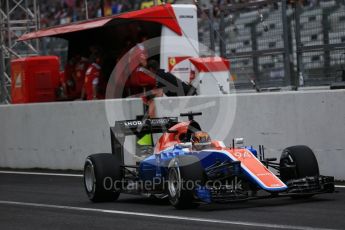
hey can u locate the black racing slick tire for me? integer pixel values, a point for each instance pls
(102, 172)
(298, 162)
(185, 173)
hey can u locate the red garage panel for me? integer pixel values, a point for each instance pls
(34, 79)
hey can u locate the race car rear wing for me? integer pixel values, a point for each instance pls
(137, 127)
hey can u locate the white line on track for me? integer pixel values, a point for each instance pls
(70, 175)
(41, 173)
(339, 186)
(152, 215)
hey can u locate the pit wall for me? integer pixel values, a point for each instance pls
(58, 135)
(61, 135)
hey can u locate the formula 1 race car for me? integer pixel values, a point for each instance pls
(212, 173)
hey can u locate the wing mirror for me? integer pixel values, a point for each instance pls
(237, 141)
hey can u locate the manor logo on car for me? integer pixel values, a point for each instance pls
(133, 123)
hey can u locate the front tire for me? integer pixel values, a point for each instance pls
(298, 162)
(101, 172)
(185, 173)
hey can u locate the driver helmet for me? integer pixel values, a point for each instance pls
(200, 140)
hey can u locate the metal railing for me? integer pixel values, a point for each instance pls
(16, 18)
(279, 44)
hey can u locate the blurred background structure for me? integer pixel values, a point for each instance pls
(16, 18)
(276, 44)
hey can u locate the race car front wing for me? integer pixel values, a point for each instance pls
(310, 185)
(302, 187)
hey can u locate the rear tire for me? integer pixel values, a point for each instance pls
(298, 162)
(185, 173)
(101, 171)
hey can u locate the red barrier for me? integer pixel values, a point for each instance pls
(35, 79)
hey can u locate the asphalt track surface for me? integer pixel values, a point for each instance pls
(29, 201)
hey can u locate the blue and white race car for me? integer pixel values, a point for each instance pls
(189, 168)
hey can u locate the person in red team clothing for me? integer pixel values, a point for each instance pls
(93, 80)
(138, 54)
(137, 59)
(67, 84)
(79, 76)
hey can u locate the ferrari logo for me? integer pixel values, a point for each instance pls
(18, 83)
(172, 61)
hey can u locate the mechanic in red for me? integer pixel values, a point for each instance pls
(67, 79)
(79, 76)
(138, 82)
(162, 83)
(138, 54)
(93, 80)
